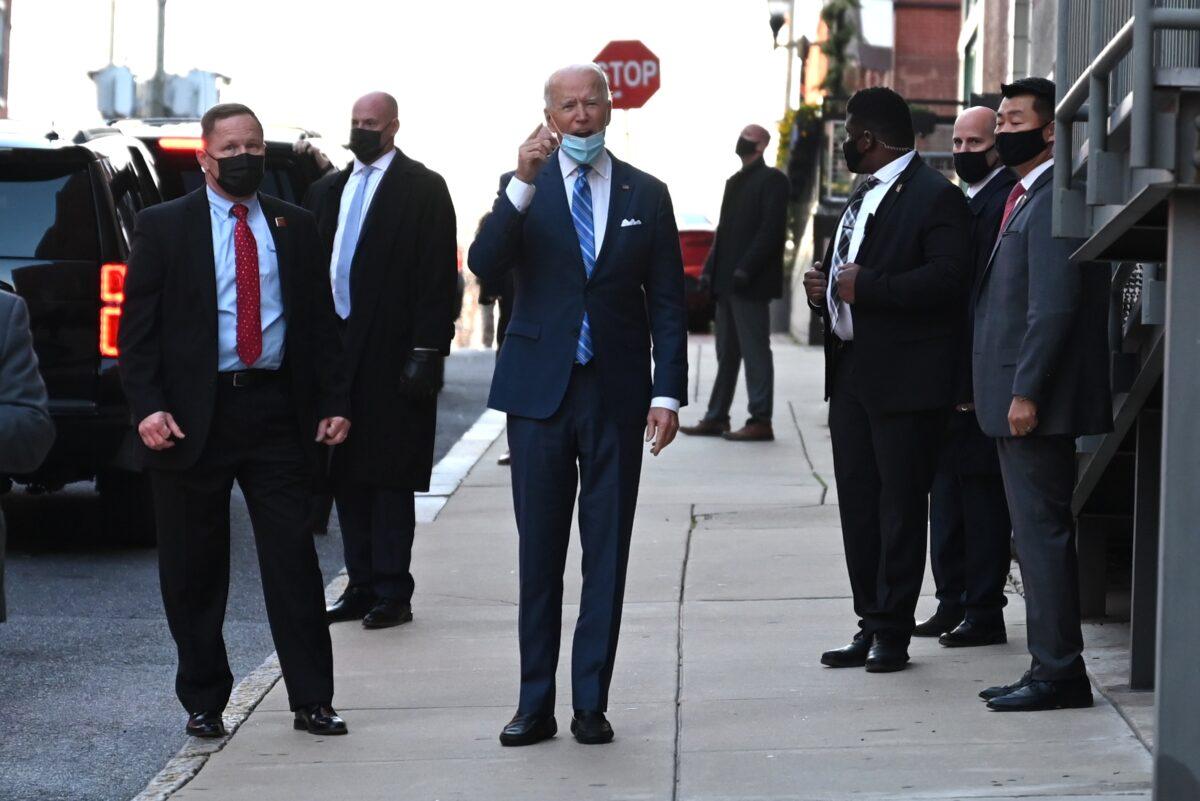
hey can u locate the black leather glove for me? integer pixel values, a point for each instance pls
(421, 377)
(741, 280)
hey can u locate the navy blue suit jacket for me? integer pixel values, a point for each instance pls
(634, 297)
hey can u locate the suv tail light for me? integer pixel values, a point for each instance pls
(112, 295)
(179, 144)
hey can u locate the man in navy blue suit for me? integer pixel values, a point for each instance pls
(597, 273)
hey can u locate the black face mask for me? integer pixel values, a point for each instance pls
(366, 144)
(972, 167)
(240, 175)
(745, 146)
(853, 157)
(1019, 147)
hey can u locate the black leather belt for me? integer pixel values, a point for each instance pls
(248, 378)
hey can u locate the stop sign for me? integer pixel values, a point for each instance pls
(632, 72)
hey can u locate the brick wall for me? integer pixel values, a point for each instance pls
(926, 48)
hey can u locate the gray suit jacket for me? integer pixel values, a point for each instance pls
(1041, 327)
(26, 430)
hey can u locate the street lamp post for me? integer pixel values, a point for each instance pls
(158, 102)
(783, 12)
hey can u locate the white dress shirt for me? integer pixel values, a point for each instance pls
(975, 188)
(599, 179)
(839, 312)
(1029, 180)
(373, 177)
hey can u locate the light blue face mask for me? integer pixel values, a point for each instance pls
(583, 149)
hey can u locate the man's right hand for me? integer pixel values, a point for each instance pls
(534, 152)
(157, 430)
(816, 284)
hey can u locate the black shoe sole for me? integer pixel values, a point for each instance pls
(584, 739)
(1077, 703)
(831, 663)
(1000, 640)
(388, 624)
(886, 667)
(206, 735)
(532, 738)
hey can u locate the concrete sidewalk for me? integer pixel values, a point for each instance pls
(736, 585)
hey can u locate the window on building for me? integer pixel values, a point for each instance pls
(970, 83)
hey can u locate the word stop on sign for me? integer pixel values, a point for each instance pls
(630, 74)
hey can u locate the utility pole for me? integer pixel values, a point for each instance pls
(112, 32)
(158, 104)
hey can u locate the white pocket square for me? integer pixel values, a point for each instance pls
(627, 223)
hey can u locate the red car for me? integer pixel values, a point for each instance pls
(696, 233)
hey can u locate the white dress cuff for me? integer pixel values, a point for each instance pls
(520, 194)
(670, 404)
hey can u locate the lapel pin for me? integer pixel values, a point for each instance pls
(281, 222)
(625, 186)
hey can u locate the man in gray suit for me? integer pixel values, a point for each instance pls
(1040, 369)
(26, 430)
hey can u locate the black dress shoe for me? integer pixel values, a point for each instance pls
(205, 724)
(318, 719)
(888, 654)
(387, 613)
(591, 728)
(942, 621)
(852, 655)
(354, 603)
(528, 729)
(1005, 689)
(1037, 696)
(969, 634)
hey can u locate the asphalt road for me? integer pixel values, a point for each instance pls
(87, 703)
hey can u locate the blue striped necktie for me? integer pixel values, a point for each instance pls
(581, 213)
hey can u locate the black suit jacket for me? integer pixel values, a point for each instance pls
(751, 233)
(403, 286)
(968, 449)
(168, 334)
(908, 295)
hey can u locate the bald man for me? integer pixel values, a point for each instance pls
(745, 270)
(388, 222)
(592, 248)
(969, 528)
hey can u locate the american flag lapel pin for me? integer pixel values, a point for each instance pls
(625, 187)
(281, 222)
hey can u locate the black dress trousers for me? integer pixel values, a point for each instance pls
(884, 466)
(255, 440)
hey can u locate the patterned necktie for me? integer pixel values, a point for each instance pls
(249, 314)
(841, 254)
(341, 280)
(1010, 204)
(581, 213)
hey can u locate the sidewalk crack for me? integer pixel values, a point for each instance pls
(687, 554)
(807, 458)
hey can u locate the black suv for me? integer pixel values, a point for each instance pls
(67, 213)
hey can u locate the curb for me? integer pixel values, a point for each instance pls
(448, 475)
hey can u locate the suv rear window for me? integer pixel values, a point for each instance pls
(47, 210)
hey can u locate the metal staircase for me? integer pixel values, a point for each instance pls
(1127, 182)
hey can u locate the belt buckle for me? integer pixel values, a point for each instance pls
(241, 379)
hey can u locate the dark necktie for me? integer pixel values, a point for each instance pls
(581, 214)
(841, 253)
(249, 313)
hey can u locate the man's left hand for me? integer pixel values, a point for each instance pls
(333, 430)
(661, 427)
(421, 378)
(845, 281)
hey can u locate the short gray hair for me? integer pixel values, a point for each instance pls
(599, 75)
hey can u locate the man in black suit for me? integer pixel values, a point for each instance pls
(745, 270)
(969, 529)
(891, 303)
(389, 223)
(1041, 379)
(230, 360)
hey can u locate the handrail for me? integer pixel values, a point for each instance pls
(1136, 35)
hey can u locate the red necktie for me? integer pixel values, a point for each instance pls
(1011, 203)
(249, 315)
